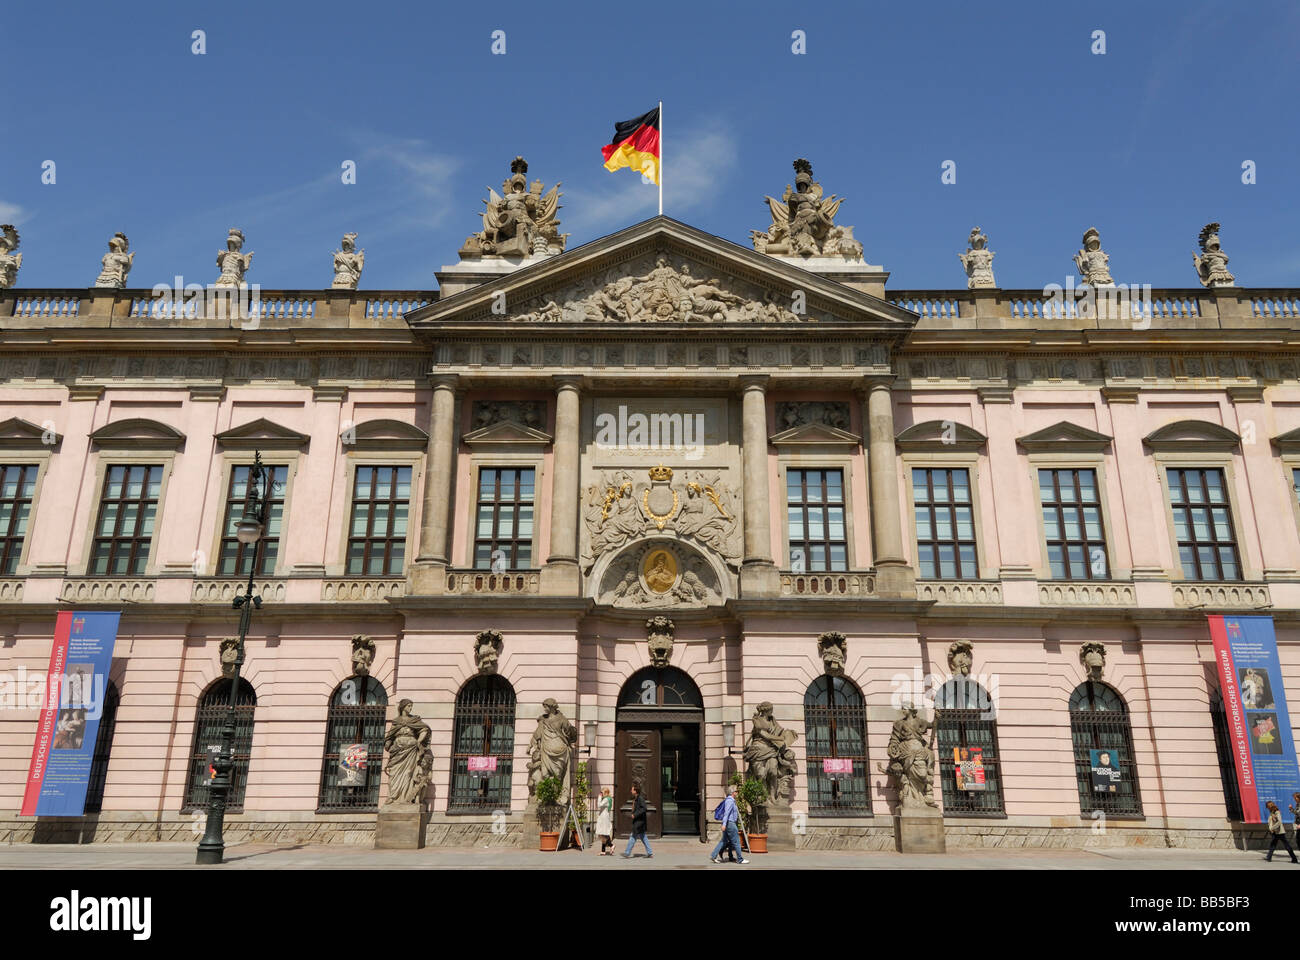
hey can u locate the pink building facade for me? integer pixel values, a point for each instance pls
(933, 475)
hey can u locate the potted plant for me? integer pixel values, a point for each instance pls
(548, 811)
(751, 800)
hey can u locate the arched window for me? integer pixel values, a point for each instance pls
(660, 687)
(835, 725)
(966, 733)
(1103, 751)
(485, 727)
(356, 720)
(1227, 766)
(103, 746)
(209, 720)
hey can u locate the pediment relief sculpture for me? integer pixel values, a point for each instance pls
(660, 573)
(520, 222)
(661, 291)
(796, 414)
(803, 222)
(698, 505)
(526, 413)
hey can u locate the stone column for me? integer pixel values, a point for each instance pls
(428, 573)
(560, 575)
(894, 577)
(758, 574)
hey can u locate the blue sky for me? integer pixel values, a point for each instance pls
(1145, 142)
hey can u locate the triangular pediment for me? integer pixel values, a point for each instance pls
(1192, 435)
(384, 435)
(1066, 437)
(507, 433)
(19, 434)
(137, 433)
(940, 435)
(262, 434)
(814, 434)
(663, 272)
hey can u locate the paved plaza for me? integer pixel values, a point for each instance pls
(669, 855)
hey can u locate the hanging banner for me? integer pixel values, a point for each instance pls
(837, 769)
(481, 767)
(968, 767)
(69, 722)
(1259, 727)
(352, 765)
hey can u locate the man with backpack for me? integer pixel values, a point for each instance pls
(729, 814)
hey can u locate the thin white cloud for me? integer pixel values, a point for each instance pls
(12, 213)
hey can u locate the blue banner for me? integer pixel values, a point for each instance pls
(76, 686)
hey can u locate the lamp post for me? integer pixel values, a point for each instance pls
(249, 532)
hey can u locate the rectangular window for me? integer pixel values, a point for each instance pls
(235, 557)
(1207, 545)
(1076, 542)
(945, 524)
(128, 509)
(17, 487)
(503, 524)
(381, 503)
(815, 520)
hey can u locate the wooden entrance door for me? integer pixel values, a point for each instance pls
(637, 750)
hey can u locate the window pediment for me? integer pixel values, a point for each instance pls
(1288, 442)
(1196, 435)
(507, 433)
(137, 433)
(19, 434)
(814, 434)
(385, 435)
(1065, 437)
(262, 434)
(940, 435)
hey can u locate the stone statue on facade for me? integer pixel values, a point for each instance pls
(960, 658)
(410, 760)
(1212, 264)
(229, 653)
(1093, 657)
(1092, 261)
(834, 649)
(519, 223)
(348, 264)
(978, 261)
(769, 755)
(660, 640)
(116, 263)
(551, 749)
(487, 650)
(9, 261)
(911, 759)
(233, 262)
(803, 222)
(363, 655)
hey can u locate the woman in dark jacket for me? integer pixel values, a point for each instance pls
(638, 823)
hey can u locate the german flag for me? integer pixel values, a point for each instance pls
(635, 145)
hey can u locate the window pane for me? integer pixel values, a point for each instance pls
(923, 527)
(1051, 528)
(1056, 558)
(1046, 492)
(1067, 487)
(1088, 485)
(969, 568)
(1092, 522)
(943, 523)
(965, 524)
(1222, 528)
(919, 492)
(947, 561)
(1073, 529)
(925, 560)
(1214, 481)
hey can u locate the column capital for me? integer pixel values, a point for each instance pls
(753, 381)
(568, 381)
(876, 381)
(445, 381)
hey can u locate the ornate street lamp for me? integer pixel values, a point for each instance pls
(249, 531)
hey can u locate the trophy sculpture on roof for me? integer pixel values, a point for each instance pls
(519, 222)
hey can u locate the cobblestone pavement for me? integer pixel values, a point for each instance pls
(669, 854)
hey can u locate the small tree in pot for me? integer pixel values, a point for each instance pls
(751, 800)
(549, 810)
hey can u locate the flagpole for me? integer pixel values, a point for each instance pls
(661, 158)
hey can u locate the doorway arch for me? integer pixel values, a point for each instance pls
(659, 743)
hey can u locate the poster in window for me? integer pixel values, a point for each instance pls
(482, 767)
(1105, 771)
(1259, 726)
(968, 768)
(837, 769)
(352, 765)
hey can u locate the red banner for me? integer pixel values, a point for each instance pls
(49, 712)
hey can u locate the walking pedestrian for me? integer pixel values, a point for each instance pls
(605, 822)
(1279, 833)
(1295, 816)
(638, 824)
(729, 814)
